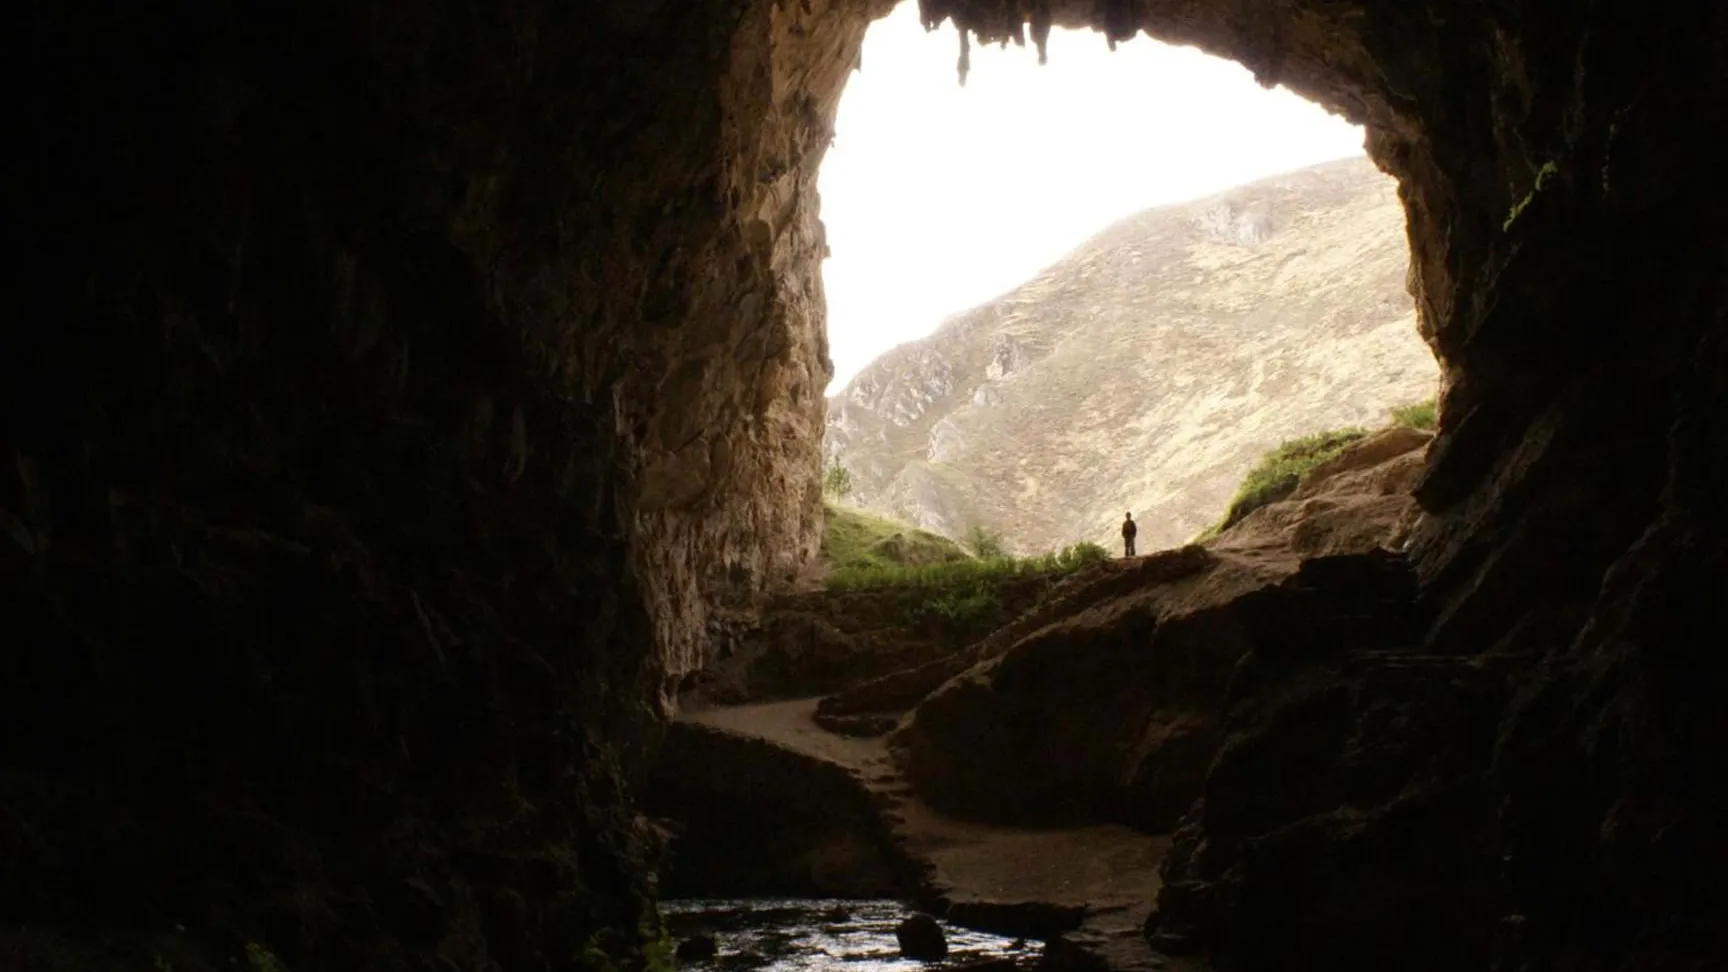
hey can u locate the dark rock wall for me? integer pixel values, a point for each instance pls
(389, 389)
(752, 819)
(1560, 166)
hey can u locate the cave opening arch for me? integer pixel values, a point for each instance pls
(1546, 254)
(988, 241)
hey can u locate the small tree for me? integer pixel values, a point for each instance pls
(983, 541)
(837, 481)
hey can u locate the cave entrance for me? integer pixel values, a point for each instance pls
(1112, 303)
(1112, 281)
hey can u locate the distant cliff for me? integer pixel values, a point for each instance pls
(1148, 369)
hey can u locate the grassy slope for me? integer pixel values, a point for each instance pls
(855, 539)
(919, 576)
(864, 550)
(1278, 472)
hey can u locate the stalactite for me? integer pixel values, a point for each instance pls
(931, 15)
(965, 65)
(1119, 22)
(1041, 30)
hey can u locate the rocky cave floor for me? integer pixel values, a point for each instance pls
(1088, 886)
(1026, 784)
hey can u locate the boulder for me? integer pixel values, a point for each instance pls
(920, 937)
(697, 948)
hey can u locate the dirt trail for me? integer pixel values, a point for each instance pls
(1014, 880)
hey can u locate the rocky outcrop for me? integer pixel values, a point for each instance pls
(759, 820)
(921, 938)
(1346, 818)
(1148, 369)
(1357, 500)
(810, 643)
(1115, 710)
(887, 697)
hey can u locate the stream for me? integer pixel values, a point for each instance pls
(800, 934)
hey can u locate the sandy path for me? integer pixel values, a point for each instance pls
(990, 875)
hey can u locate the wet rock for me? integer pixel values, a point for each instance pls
(920, 937)
(987, 965)
(1063, 955)
(837, 915)
(1036, 919)
(697, 948)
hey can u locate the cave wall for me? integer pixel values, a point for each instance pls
(391, 391)
(1558, 164)
(1559, 167)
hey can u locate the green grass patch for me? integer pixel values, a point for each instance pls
(1279, 471)
(854, 539)
(1420, 415)
(931, 581)
(931, 574)
(966, 573)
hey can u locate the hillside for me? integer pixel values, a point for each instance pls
(853, 538)
(1148, 369)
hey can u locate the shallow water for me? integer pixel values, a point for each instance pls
(800, 934)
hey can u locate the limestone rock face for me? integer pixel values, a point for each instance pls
(395, 393)
(1149, 369)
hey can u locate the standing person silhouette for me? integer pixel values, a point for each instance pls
(1128, 531)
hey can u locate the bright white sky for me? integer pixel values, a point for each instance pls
(938, 198)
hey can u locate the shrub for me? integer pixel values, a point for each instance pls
(837, 481)
(965, 605)
(1420, 415)
(960, 573)
(983, 541)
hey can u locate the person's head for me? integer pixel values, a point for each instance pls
(1127, 516)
